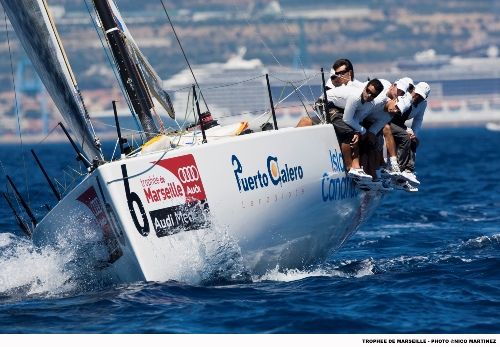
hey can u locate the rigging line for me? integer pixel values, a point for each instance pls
(298, 90)
(235, 83)
(306, 79)
(261, 112)
(50, 133)
(17, 108)
(184, 53)
(181, 89)
(134, 117)
(283, 19)
(286, 97)
(299, 93)
(114, 150)
(187, 112)
(260, 38)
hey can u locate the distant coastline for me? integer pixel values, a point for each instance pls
(35, 139)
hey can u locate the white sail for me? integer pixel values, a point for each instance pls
(153, 81)
(38, 35)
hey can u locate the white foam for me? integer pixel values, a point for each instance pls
(346, 269)
(481, 241)
(293, 275)
(27, 270)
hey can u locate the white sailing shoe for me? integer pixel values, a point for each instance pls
(393, 166)
(391, 170)
(410, 177)
(404, 185)
(359, 175)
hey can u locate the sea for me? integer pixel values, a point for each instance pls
(425, 263)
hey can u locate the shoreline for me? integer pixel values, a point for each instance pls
(36, 139)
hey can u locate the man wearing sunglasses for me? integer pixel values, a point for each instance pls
(341, 76)
(342, 73)
(352, 104)
(375, 122)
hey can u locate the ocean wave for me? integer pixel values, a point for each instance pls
(345, 269)
(31, 271)
(481, 242)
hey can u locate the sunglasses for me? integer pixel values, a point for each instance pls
(370, 93)
(339, 73)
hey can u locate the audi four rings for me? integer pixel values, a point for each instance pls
(188, 174)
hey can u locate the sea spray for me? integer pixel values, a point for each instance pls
(28, 270)
(223, 261)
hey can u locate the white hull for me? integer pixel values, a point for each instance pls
(280, 198)
(493, 126)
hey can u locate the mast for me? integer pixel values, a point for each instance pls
(153, 81)
(129, 73)
(38, 35)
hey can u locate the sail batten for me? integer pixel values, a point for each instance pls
(38, 35)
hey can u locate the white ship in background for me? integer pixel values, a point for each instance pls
(464, 91)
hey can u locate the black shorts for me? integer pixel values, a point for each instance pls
(333, 112)
(379, 144)
(344, 131)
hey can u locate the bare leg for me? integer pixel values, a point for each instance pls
(304, 122)
(389, 141)
(355, 156)
(351, 156)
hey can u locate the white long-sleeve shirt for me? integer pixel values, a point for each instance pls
(329, 83)
(339, 95)
(417, 114)
(348, 97)
(378, 116)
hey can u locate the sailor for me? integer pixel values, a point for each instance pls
(371, 148)
(352, 105)
(392, 168)
(406, 139)
(341, 75)
(379, 117)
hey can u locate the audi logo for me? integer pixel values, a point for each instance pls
(188, 174)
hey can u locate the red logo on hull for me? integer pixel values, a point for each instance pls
(186, 171)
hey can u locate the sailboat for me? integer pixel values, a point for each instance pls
(280, 197)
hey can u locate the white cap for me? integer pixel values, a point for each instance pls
(407, 79)
(422, 89)
(403, 103)
(402, 84)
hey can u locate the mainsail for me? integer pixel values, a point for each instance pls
(153, 81)
(39, 37)
(131, 77)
